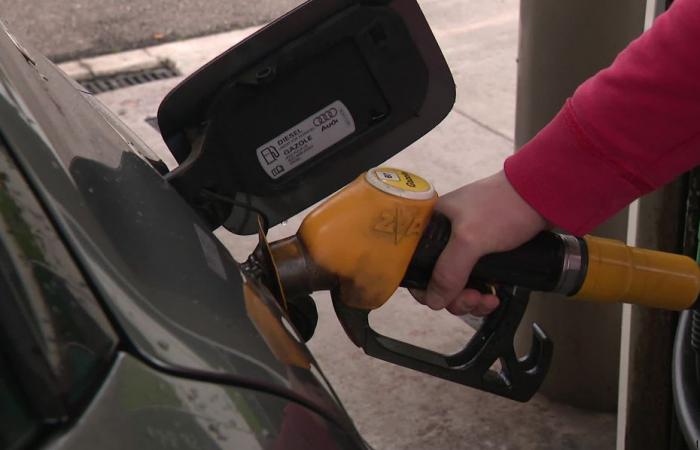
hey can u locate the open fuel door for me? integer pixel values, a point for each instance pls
(303, 106)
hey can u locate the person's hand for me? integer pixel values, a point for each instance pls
(487, 216)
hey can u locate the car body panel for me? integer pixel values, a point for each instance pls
(139, 407)
(56, 343)
(171, 288)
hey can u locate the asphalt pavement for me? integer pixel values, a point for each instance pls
(68, 29)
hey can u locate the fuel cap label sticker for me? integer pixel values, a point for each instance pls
(305, 140)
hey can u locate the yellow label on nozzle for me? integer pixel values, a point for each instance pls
(400, 183)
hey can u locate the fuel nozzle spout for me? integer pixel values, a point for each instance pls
(298, 273)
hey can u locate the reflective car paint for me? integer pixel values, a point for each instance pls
(168, 283)
(139, 407)
(56, 343)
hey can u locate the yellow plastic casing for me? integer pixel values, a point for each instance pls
(366, 234)
(619, 273)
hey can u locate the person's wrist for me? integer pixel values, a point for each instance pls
(524, 207)
(509, 218)
(521, 211)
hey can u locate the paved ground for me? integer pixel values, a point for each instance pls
(67, 29)
(395, 408)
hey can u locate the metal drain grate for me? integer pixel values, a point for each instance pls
(126, 79)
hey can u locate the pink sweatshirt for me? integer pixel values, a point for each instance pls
(625, 132)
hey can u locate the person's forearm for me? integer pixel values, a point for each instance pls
(626, 131)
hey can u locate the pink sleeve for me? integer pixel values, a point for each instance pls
(626, 131)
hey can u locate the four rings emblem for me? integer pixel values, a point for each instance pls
(326, 116)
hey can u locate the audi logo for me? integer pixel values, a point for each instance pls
(325, 117)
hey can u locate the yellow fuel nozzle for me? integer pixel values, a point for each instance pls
(359, 244)
(365, 234)
(379, 233)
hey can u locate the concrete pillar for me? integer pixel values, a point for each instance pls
(563, 42)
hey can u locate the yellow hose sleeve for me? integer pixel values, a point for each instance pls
(619, 273)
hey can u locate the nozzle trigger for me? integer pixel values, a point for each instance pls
(517, 379)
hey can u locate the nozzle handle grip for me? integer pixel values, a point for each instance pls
(535, 265)
(591, 268)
